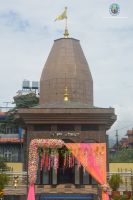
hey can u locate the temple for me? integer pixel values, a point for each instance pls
(66, 112)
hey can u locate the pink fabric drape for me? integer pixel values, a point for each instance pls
(91, 156)
(31, 193)
(93, 159)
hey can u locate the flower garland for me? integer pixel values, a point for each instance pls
(49, 158)
(33, 155)
(105, 188)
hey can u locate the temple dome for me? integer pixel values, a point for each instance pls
(66, 67)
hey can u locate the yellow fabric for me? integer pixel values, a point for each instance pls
(62, 16)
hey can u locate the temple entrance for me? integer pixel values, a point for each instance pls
(64, 174)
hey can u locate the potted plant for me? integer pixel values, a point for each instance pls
(114, 183)
(124, 197)
(127, 193)
(116, 197)
(120, 197)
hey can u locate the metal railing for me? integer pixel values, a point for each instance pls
(19, 182)
(127, 180)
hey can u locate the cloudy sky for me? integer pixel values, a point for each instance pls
(27, 31)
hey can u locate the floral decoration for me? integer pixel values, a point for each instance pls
(105, 187)
(49, 158)
(34, 158)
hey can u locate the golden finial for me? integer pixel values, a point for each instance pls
(66, 34)
(66, 94)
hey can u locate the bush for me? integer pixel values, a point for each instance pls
(115, 182)
(117, 197)
(122, 156)
(4, 179)
(124, 197)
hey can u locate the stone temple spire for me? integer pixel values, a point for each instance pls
(66, 67)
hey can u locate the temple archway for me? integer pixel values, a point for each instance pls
(91, 156)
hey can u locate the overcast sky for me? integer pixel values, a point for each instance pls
(27, 31)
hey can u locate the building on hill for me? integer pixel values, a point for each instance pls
(130, 138)
(2, 116)
(124, 142)
(66, 111)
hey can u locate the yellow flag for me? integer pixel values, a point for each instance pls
(62, 16)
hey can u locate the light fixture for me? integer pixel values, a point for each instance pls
(15, 181)
(1, 194)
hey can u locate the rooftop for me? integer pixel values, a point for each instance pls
(130, 132)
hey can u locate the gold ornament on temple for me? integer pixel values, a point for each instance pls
(66, 95)
(66, 34)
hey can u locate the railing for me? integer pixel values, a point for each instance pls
(18, 183)
(21, 178)
(127, 180)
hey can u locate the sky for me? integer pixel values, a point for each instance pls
(27, 31)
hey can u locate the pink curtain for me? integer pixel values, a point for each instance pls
(93, 158)
(31, 193)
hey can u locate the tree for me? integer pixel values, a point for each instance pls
(4, 178)
(20, 101)
(124, 155)
(3, 166)
(26, 101)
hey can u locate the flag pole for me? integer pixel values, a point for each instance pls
(66, 34)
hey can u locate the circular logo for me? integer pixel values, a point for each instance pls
(114, 9)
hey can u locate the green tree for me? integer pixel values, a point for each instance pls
(4, 178)
(26, 101)
(20, 101)
(3, 165)
(124, 155)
